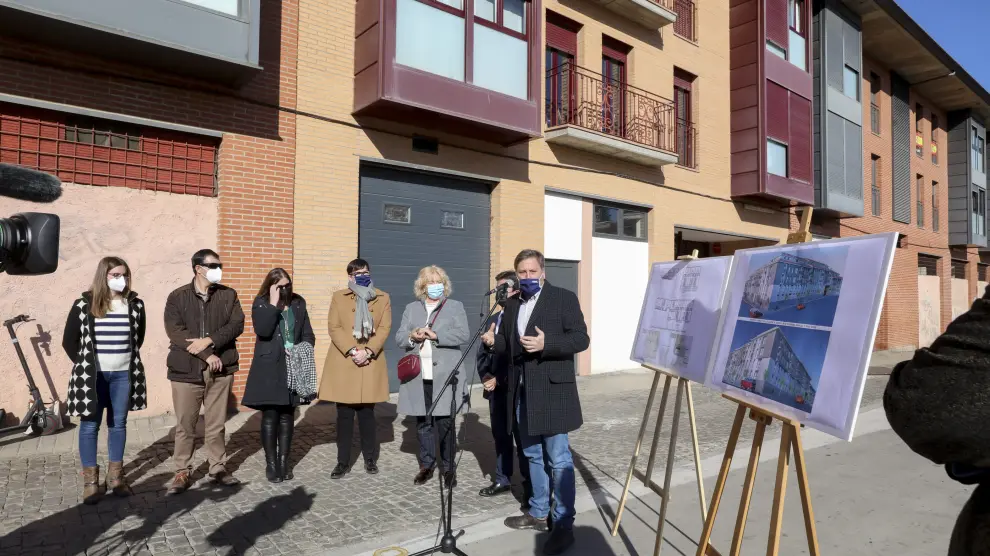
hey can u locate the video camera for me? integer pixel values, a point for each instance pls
(29, 240)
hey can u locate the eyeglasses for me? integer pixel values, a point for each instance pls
(362, 273)
(118, 275)
(212, 266)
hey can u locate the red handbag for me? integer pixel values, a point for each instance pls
(411, 365)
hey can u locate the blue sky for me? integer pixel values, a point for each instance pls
(809, 345)
(960, 27)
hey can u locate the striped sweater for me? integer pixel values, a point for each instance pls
(113, 340)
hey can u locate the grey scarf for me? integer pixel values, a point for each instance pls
(363, 325)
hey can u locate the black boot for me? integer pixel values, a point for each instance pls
(286, 423)
(269, 441)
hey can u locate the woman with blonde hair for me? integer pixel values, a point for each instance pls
(433, 328)
(102, 337)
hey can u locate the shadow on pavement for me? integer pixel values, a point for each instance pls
(241, 533)
(588, 541)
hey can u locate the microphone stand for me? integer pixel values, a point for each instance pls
(448, 542)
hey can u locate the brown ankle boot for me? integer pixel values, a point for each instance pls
(91, 485)
(116, 483)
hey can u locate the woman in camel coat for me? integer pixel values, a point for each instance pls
(355, 375)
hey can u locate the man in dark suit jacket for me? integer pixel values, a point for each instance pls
(549, 329)
(493, 370)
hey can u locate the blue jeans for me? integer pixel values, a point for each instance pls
(507, 443)
(558, 451)
(113, 394)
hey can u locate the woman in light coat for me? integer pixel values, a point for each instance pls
(439, 348)
(355, 375)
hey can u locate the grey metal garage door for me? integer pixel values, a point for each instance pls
(409, 220)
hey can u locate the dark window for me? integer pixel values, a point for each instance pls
(102, 133)
(927, 265)
(685, 24)
(683, 109)
(979, 212)
(919, 139)
(935, 206)
(625, 223)
(959, 269)
(614, 83)
(560, 87)
(875, 183)
(875, 87)
(398, 214)
(919, 185)
(981, 272)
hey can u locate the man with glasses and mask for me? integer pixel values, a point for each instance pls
(543, 329)
(202, 320)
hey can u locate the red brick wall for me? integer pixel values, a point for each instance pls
(898, 326)
(257, 153)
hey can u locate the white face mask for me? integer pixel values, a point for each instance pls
(214, 275)
(117, 284)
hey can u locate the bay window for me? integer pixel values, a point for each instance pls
(431, 35)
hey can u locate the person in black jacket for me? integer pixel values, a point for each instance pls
(546, 329)
(938, 404)
(280, 324)
(493, 370)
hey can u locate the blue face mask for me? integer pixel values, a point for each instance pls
(529, 287)
(363, 280)
(434, 291)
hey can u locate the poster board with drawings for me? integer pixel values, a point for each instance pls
(680, 314)
(798, 326)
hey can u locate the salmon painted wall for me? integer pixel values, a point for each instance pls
(156, 233)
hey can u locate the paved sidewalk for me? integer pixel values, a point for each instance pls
(40, 510)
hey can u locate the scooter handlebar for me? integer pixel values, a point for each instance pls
(16, 320)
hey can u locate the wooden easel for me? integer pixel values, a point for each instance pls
(683, 391)
(790, 440)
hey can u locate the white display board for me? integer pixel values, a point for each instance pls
(798, 325)
(680, 316)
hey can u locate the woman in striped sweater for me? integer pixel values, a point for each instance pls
(103, 334)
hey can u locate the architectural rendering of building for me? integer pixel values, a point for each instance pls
(788, 281)
(767, 365)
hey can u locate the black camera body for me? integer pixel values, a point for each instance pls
(29, 244)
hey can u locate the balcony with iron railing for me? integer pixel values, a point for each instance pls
(588, 112)
(652, 14)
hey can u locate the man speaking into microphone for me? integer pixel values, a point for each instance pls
(543, 329)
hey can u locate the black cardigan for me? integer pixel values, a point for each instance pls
(267, 382)
(939, 404)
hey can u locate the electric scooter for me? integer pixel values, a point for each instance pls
(37, 418)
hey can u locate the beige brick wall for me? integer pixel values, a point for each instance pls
(329, 144)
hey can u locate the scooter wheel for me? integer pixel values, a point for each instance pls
(43, 423)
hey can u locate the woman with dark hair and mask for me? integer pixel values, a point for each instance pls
(102, 337)
(275, 385)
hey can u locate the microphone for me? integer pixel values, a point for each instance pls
(504, 287)
(28, 185)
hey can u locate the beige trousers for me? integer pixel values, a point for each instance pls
(187, 398)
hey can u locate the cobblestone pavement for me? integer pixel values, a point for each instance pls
(41, 510)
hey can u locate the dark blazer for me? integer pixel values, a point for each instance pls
(552, 404)
(939, 404)
(491, 363)
(267, 382)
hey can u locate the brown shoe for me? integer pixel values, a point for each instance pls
(526, 521)
(423, 476)
(116, 483)
(91, 485)
(180, 483)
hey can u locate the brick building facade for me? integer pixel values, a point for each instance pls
(71, 112)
